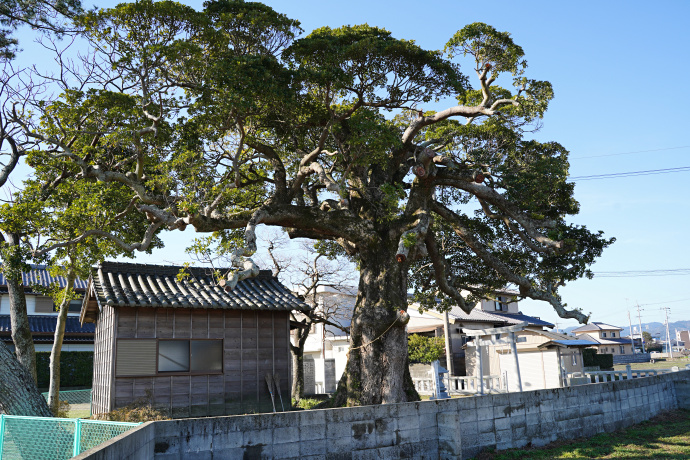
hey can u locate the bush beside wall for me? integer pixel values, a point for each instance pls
(76, 368)
(590, 357)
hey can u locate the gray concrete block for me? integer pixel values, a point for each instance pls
(339, 430)
(227, 441)
(287, 450)
(410, 422)
(485, 413)
(312, 432)
(407, 436)
(312, 417)
(468, 415)
(486, 426)
(502, 423)
(503, 436)
(486, 439)
(287, 434)
(314, 447)
(252, 438)
(339, 445)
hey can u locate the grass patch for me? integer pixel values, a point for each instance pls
(666, 436)
(660, 364)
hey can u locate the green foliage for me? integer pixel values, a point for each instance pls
(591, 358)
(421, 349)
(36, 13)
(76, 368)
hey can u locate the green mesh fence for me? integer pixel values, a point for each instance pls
(79, 402)
(39, 438)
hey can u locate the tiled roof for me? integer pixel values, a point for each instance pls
(143, 285)
(607, 340)
(596, 326)
(517, 318)
(477, 315)
(45, 324)
(38, 275)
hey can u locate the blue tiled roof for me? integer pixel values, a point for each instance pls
(42, 324)
(519, 318)
(40, 276)
(574, 343)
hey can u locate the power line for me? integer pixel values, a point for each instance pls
(629, 153)
(647, 172)
(637, 273)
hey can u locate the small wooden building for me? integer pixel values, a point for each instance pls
(187, 345)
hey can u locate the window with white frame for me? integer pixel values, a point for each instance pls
(603, 334)
(613, 334)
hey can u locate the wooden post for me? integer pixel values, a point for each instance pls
(513, 347)
(449, 344)
(481, 378)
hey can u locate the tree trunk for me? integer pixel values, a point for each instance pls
(54, 387)
(18, 392)
(300, 337)
(377, 370)
(19, 318)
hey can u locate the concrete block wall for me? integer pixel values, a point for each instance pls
(454, 428)
(135, 444)
(636, 358)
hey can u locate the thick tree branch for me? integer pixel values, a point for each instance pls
(525, 285)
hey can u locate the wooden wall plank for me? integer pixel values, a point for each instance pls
(146, 321)
(183, 323)
(164, 323)
(199, 324)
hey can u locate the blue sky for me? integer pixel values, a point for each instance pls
(618, 71)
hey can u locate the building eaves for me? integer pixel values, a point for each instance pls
(145, 285)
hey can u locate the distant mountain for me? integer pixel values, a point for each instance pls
(654, 328)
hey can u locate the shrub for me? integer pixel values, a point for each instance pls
(141, 410)
(590, 358)
(76, 368)
(422, 349)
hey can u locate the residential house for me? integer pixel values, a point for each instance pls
(43, 313)
(189, 345)
(325, 351)
(606, 338)
(503, 311)
(683, 339)
(545, 358)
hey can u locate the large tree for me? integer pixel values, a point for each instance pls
(222, 119)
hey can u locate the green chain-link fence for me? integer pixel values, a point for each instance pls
(79, 402)
(43, 438)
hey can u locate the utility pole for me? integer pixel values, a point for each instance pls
(632, 341)
(668, 334)
(639, 320)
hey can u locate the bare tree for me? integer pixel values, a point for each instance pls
(312, 276)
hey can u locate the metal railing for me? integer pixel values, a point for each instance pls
(462, 385)
(46, 438)
(610, 376)
(79, 402)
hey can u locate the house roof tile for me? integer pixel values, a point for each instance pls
(145, 285)
(45, 324)
(38, 275)
(596, 326)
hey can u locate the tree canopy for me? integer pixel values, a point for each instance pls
(226, 118)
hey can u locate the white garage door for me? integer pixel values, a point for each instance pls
(538, 370)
